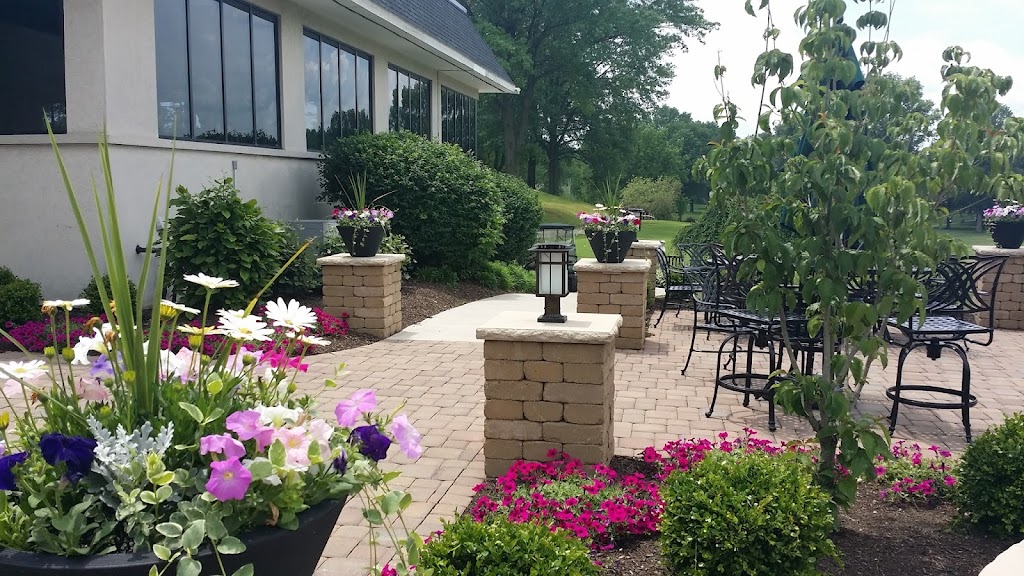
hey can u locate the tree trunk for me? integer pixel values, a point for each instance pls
(979, 222)
(531, 171)
(554, 153)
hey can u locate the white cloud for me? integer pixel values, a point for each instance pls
(988, 29)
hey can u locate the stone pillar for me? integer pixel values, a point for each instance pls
(368, 289)
(619, 288)
(548, 386)
(647, 250)
(1010, 296)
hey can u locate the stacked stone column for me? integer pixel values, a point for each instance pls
(619, 288)
(368, 289)
(647, 250)
(1009, 308)
(548, 387)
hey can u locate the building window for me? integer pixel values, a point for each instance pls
(458, 119)
(32, 66)
(216, 65)
(339, 95)
(410, 102)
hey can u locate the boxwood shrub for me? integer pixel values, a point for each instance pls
(446, 204)
(498, 547)
(738, 513)
(521, 213)
(990, 479)
(92, 293)
(20, 301)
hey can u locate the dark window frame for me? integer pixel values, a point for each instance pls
(459, 126)
(59, 125)
(425, 109)
(342, 47)
(254, 12)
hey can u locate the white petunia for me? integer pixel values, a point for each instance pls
(178, 307)
(86, 344)
(210, 282)
(292, 315)
(65, 304)
(246, 329)
(277, 416)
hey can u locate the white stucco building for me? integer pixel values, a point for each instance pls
(251, 87)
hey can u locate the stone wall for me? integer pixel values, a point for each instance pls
(548, 387)
(619, 288)
(647, 250)
(1009, 307)
(368, 289)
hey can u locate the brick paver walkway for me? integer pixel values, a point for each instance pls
(443, 385)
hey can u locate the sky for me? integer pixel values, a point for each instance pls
(989, 29)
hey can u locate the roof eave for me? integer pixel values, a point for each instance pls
(403, 28)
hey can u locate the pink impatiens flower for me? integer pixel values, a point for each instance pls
(349, 411)
(229, 480)
(246, 424)
(407, 436)
(221, 444)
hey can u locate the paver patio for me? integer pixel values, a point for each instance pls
(443, 385)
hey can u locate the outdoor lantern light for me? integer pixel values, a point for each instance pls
(552, 279)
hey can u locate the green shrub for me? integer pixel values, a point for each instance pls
(217, 233)
(737, 513)
(446, 204)
(396, 244)
(437, 275)
(20, 301)
(659, 197)
(498, 547)
(521, 213)
(6, 276)
(92, 293)
(303, 277)
(991, 479)
(708, 228)
(507, 277)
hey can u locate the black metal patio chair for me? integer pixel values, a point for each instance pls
(680, 283)
(954, 295)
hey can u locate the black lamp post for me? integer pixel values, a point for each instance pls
(552, 279)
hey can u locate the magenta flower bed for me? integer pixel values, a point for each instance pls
(37, 335)
(916, 473)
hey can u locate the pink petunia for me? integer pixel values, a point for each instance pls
(229, 480)
(296, 445)
(407, 436)
(93, 390)
(246, 424)
(221, 444)
(349, 411)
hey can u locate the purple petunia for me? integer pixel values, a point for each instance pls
(6, 474)
(341, 463)
(75, 452)
(372, 443)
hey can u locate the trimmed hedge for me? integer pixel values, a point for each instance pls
(20, 301)
(521, 213)
(447, 205)
(990, 479)
(708, 228)
(91, 292)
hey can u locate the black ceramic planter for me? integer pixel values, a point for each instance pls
(362, 242)
(1008, 235)
(611, 247)
(271, 551)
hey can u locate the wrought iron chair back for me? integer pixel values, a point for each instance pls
(698, 255)
(956, 288)
(730, 290)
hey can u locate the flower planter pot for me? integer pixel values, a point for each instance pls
(611, 247)
(362, 242)
(1008, 235)
(271, 551)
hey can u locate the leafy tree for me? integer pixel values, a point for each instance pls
(659, 197)
(856, 210)
(575, 60)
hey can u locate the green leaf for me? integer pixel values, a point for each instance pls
(246, 570)
(260, 469)
(194, 535)
(373, 516)
(189, 567)
(148, 497)
(277, 454)
(153, 571)
(162, 552)
(169, 529)
(230, 545)
(193, 411)
(215, 528)
(389, 504)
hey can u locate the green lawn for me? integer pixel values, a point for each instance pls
(969, 236)
(559, 210)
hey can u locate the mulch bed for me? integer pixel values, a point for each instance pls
(420, 300)
(876, 539)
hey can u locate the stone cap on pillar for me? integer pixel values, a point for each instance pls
(578, 329)
(993, 251)
(347, 260)
(626, 266)
(648, 244)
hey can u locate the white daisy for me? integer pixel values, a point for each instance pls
(22, 371)
(65, 304)
(313, 340)
(210, 282)
(186, 329)
(178, 307)
(246, 328)
(292, 315)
